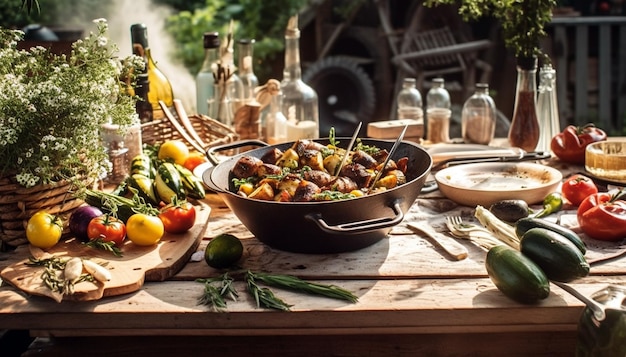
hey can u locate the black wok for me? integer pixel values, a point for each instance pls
(321, 227)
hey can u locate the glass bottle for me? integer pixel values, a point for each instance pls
(204, 79)
(438, 112)
(547, 108)
(142, 105)
(228, 88)
(409, 101)
(246, 68)
(478, 118)
(275, 121)
(160, 86)
(300, 101)
(524, 130)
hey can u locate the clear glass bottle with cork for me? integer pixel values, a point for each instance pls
(205, 80)
(438, 112)
(409, 101)
(228, 93)
(300, 101)
(478, 118)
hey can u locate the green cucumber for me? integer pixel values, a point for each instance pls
(194, 187)
(515, 275)
(144, 187)
(168, 183)
(556, 255)
(524, 224)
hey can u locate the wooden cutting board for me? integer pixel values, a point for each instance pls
(138, 264)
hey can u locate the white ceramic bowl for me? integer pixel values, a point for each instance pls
(486, 183)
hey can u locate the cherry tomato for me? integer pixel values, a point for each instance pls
(602, 216)
(44, 230)
(109, 228)
(578, 187)
(194, 159)
(178, 216)
(144, 229)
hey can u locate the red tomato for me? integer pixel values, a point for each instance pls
(578, 187)
(193, 160)
(178, 216)
(109, 228)
(602, 216)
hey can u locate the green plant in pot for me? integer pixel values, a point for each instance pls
(523, 26)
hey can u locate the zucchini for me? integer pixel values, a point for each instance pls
(168, 183)
(557, 256)
(142, 165)
(145, 188)
(107, 202)
(515, 275)
(193, 186)
(524, 224)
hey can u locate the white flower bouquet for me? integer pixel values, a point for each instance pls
(52, 107)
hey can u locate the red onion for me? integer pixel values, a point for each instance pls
(79, 220)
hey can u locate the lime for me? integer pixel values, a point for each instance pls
(223, 251)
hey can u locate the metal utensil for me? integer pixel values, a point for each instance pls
(451, 246)
(347, 153)
(393, 149)
(507, 158)
(595, 307)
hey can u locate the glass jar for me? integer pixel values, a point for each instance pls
(438, 112)
(478, 118)
(605, 338)
(409, 101)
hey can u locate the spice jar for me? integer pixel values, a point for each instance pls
(409, 102)
(478, 118)
(438, 112)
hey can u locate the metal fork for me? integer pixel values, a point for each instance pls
(456, 224)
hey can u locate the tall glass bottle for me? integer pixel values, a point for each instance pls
(205, 81)
(160, 86)
(438, 112)
(300, 101)
(547, 108)
(246, 68)
(275, 122)
(228, 93)
(142, 105)
(409, 101)
(524, 130)
(478, 117)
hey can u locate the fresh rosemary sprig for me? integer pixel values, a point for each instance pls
(99, 243)
(214, 296)
(264, 296)
(297, 284)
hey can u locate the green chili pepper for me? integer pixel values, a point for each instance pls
(551, 204)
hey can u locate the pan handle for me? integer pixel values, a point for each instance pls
(361, 226)
(210, 153)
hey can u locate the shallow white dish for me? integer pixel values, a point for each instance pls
(486, 183)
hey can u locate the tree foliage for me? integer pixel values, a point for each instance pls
(263, 21)
(523, 21)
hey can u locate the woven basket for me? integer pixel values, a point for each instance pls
(210, 130)
(18, 204)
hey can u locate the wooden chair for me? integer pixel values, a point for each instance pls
(426, 52)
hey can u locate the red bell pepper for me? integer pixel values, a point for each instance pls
(602, 216)
(570, 144)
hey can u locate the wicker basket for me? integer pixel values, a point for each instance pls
(18, 204)
(210, 130)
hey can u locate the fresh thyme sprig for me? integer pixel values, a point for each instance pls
(99, 243)
(297, 284)
(213, 296)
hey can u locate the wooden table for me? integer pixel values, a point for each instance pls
(413, 300)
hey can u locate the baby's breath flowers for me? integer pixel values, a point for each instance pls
(53, 106)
